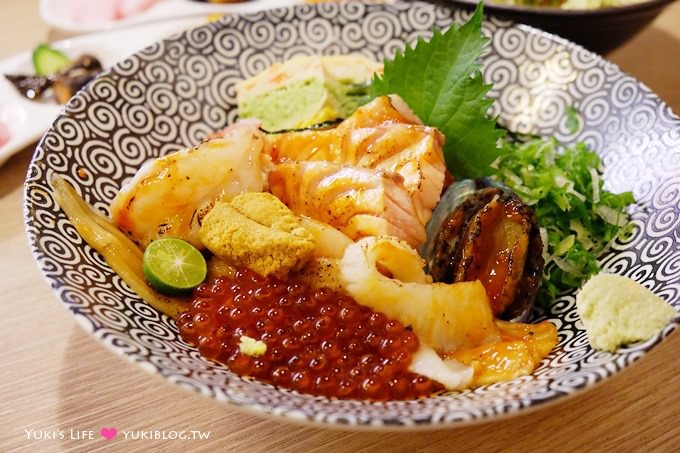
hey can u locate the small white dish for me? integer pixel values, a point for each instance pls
(57, 12)
(27, 120)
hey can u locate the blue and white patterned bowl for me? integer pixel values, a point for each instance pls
(173, 94)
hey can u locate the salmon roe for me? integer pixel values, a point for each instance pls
(318, 341)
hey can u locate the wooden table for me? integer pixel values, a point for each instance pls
(55, 376)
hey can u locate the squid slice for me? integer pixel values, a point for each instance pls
(387, 275)
(452, 374)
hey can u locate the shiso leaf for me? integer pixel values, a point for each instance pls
(440, 80)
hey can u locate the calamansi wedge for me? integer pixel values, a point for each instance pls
(173, 266)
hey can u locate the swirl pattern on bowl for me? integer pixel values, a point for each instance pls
(174, 93)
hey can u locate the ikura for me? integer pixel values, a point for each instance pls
(318, 341)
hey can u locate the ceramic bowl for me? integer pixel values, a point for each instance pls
(176, 92)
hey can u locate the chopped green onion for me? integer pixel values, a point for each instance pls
(595, 177)
(567, 266)
(582, 235)
(564, 245)
(579, 220)
(611, 215)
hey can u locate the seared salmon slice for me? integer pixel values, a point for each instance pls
(358, 201)
(377, 136)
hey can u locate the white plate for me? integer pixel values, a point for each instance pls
(56, 12)
(27, 120)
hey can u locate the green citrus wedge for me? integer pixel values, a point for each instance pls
(173, 266)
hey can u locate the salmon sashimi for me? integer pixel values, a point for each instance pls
(170, 195)
(378, 136)
(358, 201)
(383, 109)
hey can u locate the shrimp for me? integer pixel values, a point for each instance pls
(170, 195)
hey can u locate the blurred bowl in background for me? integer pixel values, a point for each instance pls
(600, 30)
